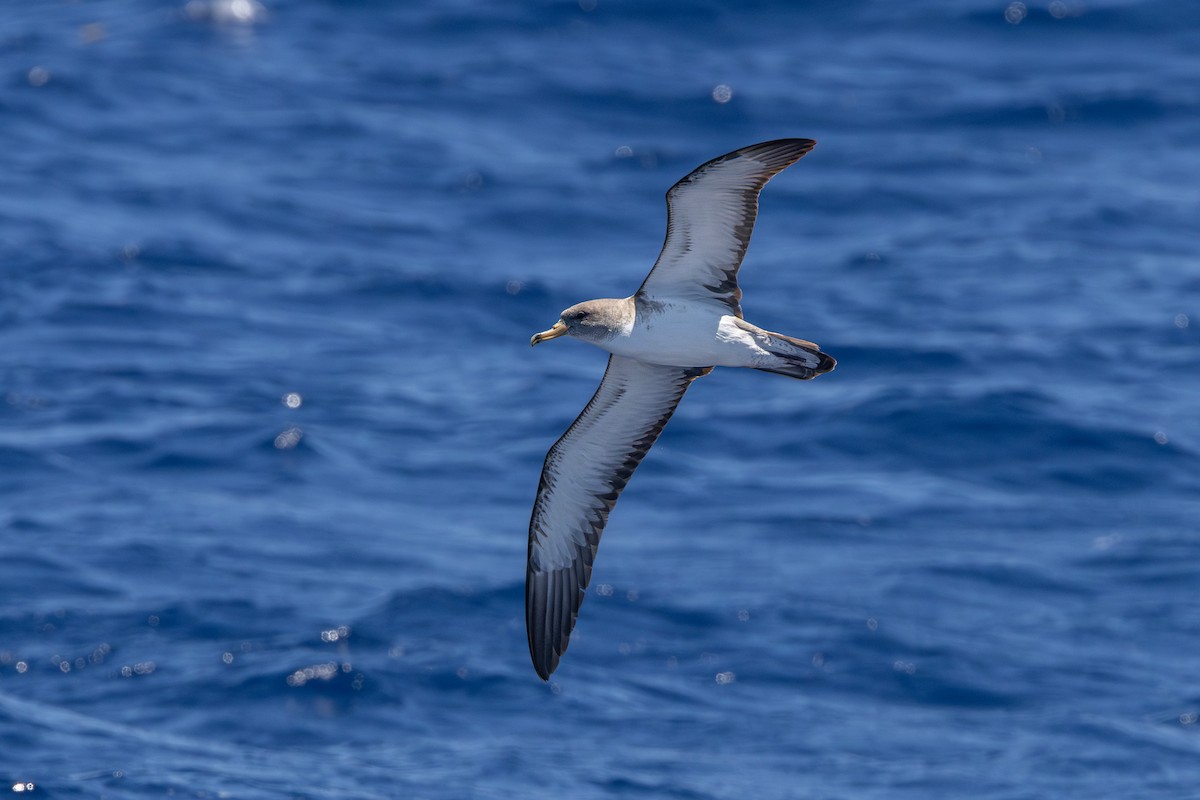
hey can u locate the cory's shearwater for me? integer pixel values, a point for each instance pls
(684, 320)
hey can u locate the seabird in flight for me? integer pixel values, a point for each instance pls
(684, 320)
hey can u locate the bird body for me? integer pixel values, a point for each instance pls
(685, 334)
(685, 320)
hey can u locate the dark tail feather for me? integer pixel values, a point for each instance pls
(797, 358)
(800, 369)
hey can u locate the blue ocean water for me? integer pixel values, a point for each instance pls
(271, 426)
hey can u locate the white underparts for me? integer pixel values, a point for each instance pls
(692, 335)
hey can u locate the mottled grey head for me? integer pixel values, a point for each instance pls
(593, 321)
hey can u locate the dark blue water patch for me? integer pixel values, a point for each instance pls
(922, 688)
(182, 258)
(901, 359)
(1045, 113)
(1150, 561)
(1025, 578)
(1070, 19)
(1104, 110)
(1021, 431)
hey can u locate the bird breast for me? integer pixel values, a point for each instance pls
(686, 336)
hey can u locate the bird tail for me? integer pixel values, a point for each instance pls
(795, 358)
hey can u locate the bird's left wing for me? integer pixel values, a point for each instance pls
(710, 216)
(584, 474)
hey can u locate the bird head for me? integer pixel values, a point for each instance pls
(591, 321)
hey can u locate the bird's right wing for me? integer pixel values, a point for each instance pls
(584, 474)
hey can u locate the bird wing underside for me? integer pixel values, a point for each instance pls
(710, 217)
(584, 473)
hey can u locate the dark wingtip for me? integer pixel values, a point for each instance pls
(543, 620)
(788, 150)
(776, 155)
(544, 663)
(798, 142)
